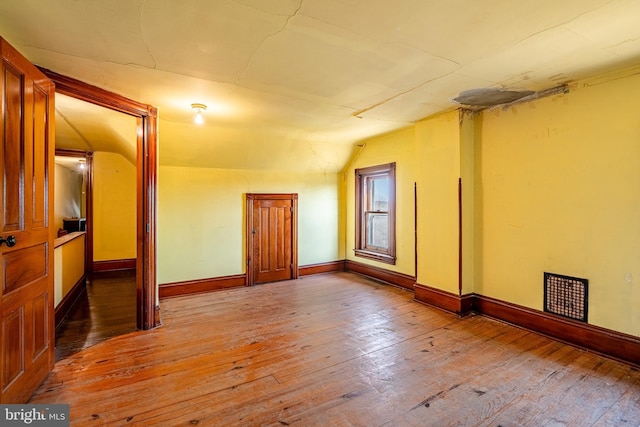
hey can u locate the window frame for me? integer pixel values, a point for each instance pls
(361, 249)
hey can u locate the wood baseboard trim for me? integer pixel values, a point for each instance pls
(114, 265)
(606, 342)
(391, 277)
(616, 345)
(609, 343)
(190, 287)
(68, 301)
(460, 305)
(325, 267)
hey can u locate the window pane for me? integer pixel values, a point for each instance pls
(378, 230)
(379, 193)
(375, 213)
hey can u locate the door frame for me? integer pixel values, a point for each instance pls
(250, 197)
(88, 189)
(147, 309)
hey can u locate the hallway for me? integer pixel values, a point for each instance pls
(106, 310)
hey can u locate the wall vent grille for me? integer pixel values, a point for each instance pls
(566, 296)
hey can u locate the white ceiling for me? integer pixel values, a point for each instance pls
(294, 84)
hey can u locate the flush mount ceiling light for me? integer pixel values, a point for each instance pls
(199, 109)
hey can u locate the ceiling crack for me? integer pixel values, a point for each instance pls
(155, 63)
(563, 23)
(629, 40)
(325, 164)
(397, 95)
(433, 55)
(267, 37)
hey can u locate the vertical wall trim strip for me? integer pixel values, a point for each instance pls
(460, 236)
(415, 229)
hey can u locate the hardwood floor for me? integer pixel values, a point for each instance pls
(337, 350)
(106, 310)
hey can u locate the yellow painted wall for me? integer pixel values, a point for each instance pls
(438, 160)
(558, 190)
(432, 154)
(202, 219)
(548, 185)
(68, 267)
(67, 194)
(114, 207)
(393, 147)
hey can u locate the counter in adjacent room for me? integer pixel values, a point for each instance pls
(69, 271)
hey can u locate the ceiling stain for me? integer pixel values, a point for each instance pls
(489, 97)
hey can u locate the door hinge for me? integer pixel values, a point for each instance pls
(291, 209)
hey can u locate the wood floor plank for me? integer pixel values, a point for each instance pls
(566, 394)
(626, 410)
(478, 394)
(336, 349)
(198, 410)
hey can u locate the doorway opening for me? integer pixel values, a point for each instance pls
(94, 200)
(147, 308)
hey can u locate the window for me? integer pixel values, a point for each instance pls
(376, 213)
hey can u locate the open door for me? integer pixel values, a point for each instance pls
(26, 252)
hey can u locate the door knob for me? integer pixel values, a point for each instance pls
(10, 241)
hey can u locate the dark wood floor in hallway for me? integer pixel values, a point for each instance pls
(106, 310)
(337, 350)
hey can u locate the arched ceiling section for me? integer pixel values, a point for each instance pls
(83, 126)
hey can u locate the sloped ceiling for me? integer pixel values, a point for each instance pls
(88, 127)
(294, 84)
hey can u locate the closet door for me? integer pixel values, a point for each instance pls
(272, 241)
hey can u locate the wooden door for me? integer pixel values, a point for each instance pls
(272, 237)
(26, 253)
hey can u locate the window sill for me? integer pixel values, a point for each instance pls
(387, 259)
